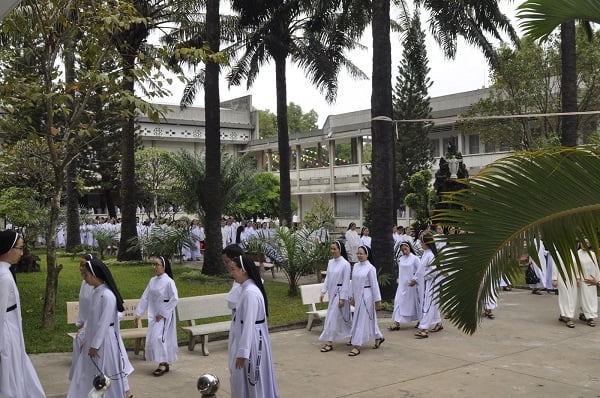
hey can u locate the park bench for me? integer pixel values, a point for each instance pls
(196, 308)
(264, 267)
(311, 295)
(136, 333)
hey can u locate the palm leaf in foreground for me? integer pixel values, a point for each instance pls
(553, 192)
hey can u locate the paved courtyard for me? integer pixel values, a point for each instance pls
(524, 352)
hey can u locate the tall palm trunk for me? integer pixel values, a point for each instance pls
(568, 83)
(128, 220)
(382, 206)
(213, 242)
(285, 194)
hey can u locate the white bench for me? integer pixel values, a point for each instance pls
(264, 267)
(137, 333)
(203, 307)
(310, 296)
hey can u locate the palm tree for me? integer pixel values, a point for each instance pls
(565, 208)
(312, 34)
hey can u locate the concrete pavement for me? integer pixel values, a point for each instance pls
(525, 351)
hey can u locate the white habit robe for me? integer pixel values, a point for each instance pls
(160, 298)
(365, 291)
(338, 321)
(567, 293)
(406, 302)
(541, 270)
(18, 378)
(352, 244)
(429, 302)
(85, 297)
(588, 295)
(102, 332)
(249, 339)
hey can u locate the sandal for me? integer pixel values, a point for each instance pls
(163, 368)
(564, 319)
(422, 334)
(354, 352)
(327, 348)
(394, 326)
(536, 291)
(378, 343)
(349, 344)
(488, 314)
(582, 317)
(591, 322)
(570, 324)
(437, 328)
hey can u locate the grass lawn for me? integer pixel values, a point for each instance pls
(131, 280)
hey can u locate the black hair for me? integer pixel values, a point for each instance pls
(342, 248)
(167, 264)
(410, 247)
(246, 263)
(232, 251)
(362, 230)
(430, 242)
(101, 271)
(368, 251)
(351, 224)
(238, 234)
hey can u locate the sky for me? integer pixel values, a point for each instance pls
(469, 71)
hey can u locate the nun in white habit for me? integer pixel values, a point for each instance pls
(430, 316)
(102, 350)
(352, 242)
(250, 358)
(160, 298)
(366, 298)
(18, 378)
(406, 302)
(588, 294)
(338, 321)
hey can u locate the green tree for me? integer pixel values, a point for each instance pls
(267, 122)
(314, 36)
(411, 101)
(299, 122)
(155, 177)
(261, 196)
(23, 208)
(421, 198)
(565, 208)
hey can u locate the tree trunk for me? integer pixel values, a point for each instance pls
(128, 221)
(285, 193)
(213, 241)
(110, 203)
(53, 269)
(568, 83)
(383, 144)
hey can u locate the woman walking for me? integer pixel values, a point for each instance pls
(352, 242)
(250, 358)
(18, 378)
(366, 299)
(102, 351)
(338, 321)
(430, 313)
(160, 298)
(406, 302)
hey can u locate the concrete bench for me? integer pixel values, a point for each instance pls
(203, 307)
(137, 333)
(264, 267)
(310, 296)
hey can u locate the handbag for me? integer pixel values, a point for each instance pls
(530, 277)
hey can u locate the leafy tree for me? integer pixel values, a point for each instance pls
(565, 208)
(156, 178)
(267, 123)
(421, 199)
(411, 101)
(261, 196)
(299, 122)
(22, 208)
(320, 215)
(25, 166)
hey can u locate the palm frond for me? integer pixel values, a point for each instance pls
(553, 192)
(539, 18)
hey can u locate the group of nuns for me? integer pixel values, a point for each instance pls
(414, 301)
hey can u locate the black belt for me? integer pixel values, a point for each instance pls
(257, 322)
(112, 324)
(339, 284)
(12, 307)
(166, 301)
(367, 287)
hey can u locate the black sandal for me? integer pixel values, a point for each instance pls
(394, 326)
(422, 334)
(355, 351)
(437, 328)
(327, 348)
(159, 371)
(378, 343)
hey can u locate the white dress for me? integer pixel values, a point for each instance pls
(406, 302)
(249, 338)
(588, 295)
(352, 244)
(18, 378)
(102, 332)
(365, 291)
(429, 302)
(85, 297)
(338, 321)
(160, 298)
(568, 291)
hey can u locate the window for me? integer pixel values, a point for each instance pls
(473, 143)
(435, 148)
(490, 148)
(347, 205)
